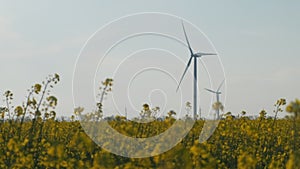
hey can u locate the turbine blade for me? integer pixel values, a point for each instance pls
(200, 54)
(208, 54)
(220, 85)
(210, 90)
(186, 38)
(186, 68)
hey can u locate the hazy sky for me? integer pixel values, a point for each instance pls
(257, 41)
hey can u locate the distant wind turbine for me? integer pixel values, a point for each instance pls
(217, 96)
(195, 56)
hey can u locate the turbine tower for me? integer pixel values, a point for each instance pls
(194, 56)
(217, 97)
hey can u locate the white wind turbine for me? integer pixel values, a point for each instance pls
(217, 92)
(194, 56)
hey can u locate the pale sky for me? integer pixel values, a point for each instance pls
(257, 41)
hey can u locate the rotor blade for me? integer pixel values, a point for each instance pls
(210, 90)
(202, 54)
(186, 38)
(199, 54)
(220, 85)
(186, 68)
(209, 54)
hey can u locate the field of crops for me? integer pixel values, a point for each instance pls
(31, 137)
(237, 143)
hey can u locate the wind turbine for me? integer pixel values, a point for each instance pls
(217, 96)
(194, 56)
